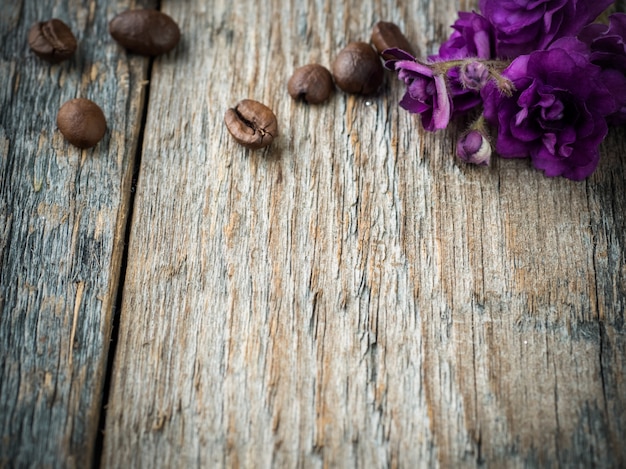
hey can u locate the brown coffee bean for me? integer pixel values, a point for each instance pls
(358, 69)
(145, 32)
(52, 40)
(81, 122)
(311, 83)
(388, 35)
(252, 124)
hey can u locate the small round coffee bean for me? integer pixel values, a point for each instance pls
(387, 35)
(358, 69)
(145, 32)
(81, 122)
(252, 124)
(52, 40)
(311, 83)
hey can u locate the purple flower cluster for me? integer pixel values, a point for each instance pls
(545, 76)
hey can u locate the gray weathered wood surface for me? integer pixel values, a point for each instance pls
(350, 297)
(62, 223)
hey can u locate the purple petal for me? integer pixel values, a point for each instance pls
(441, 112)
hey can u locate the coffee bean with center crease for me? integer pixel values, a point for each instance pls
(145, 32)
(52, 40)
(311, 83)
(357, 69)
(81, 122)
(387, 35)
(252, 124)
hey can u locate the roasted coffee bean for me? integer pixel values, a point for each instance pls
(388, 35)
(145, 32)
(311, 83)
(252, 124)
(357, 69)
(81, 122)
(52, 40)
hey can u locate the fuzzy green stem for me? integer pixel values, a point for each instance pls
(495, 68)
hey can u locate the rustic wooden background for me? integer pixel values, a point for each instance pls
(350, 297)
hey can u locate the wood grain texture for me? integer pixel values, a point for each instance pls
(62, 222)
(352, 296)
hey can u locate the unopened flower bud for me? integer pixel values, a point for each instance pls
(474, 75)
(505, 86)
(473, 147)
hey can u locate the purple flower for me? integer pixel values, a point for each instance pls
(426, 90)
(473, 36)
(608, 50)
(557, 113)
(473, 147)
(523, 26)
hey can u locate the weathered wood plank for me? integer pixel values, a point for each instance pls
(62, 222)
(352, 296)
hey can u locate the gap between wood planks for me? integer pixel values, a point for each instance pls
(115, 327)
